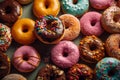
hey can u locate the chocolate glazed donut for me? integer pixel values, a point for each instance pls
(10, 11)
(50, 72)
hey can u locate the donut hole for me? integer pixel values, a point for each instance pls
(65, 54)
(1, 63)
(25, 29)
(93, 22)
(82, 78)
(75, 1)
(25, 58)
(111, 72)
(116, 17)
(8, 10)
(93, 47)
(46, 4)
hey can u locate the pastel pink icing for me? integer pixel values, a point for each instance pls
(90, 24)
(62, 48)
(101, 4)
(33, 59)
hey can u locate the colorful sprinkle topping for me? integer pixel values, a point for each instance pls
(49, 28)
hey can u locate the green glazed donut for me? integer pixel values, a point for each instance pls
(108, 69)
(75, 7)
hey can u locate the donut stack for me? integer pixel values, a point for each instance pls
(59, 40)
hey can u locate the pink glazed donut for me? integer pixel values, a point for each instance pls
(65, 54)
(90, 24)
(101, 4)
(26, 59)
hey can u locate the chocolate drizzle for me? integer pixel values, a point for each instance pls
(49, 28)
(4, 65)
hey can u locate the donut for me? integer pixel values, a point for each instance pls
(49, 29)
(46, 7)
(10, 11)
(91, 49)
(50, 72)
(4, 65)
(24, 2)
(101, 4)
(65, 54)
(72, 26)
(80, 72)
(23, 31)
(75, 7)
(112, 45)
(90, 24)
(110, 19)
(14, 76)
(117, 3)
(108, 69)
(26, 59)
(5, 37)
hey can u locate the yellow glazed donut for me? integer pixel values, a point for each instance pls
(22, 31)
(46, 7)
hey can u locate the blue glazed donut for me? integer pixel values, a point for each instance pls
(75, 7)
(108, 69)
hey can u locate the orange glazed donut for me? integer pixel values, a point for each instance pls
(46, 7)
(72, 26)
(22, 31)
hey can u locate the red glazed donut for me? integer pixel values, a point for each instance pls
(26, 59)
(65, 54)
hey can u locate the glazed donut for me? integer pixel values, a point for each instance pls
(49, 29)
(72, 26)
(4, 65)
(46, 7)
(51, 72)
(23, 2)
(108, 69)
(10, 11)
(65, 54)
(22, 31)
(91, 49)
(112, 45)
(101, 4)
(75, 7)
(110, 19)
(90, 24)
(26, 59)
(14, 77)
(80, 72)
(5, 37)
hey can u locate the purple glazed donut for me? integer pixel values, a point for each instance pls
(65, 54)
(90, 24)
(26, 59)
